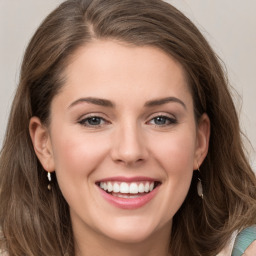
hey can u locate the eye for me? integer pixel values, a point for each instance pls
(162, 120)
(93, 121)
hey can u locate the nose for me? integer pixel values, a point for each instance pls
(129, 145)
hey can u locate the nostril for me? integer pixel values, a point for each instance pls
(129, 148)
(129, 161)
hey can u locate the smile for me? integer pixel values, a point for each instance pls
(128, 194)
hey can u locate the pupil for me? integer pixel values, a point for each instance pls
(94, 121)
(160, 120)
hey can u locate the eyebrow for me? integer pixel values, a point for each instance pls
(95, 101)
(108, 103)
(163, 101)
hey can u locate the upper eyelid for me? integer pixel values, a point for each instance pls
(164, 114)
(85, 120)
(89, 115)
(106, 118)
(171, 119)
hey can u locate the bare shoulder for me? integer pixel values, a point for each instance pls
(251, 250)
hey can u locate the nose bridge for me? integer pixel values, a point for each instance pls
(129, 145)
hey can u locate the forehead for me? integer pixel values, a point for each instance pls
(112, 69)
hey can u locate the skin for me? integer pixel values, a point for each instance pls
(127, 141)
(251, 250)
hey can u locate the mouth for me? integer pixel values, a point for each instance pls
(128, 189)
(128, 193)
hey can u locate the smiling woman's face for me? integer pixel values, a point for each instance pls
(123, 141)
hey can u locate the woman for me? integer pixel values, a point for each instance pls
(123, 139)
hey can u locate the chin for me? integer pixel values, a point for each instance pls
(131, 237)
(136, 232)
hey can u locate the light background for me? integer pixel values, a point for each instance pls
(229, 25)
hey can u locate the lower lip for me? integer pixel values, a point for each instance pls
(129, 203)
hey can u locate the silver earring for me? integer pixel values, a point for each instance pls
(50, 179)
(200, 186)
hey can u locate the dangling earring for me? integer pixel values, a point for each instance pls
(200, 186)
(50, 179)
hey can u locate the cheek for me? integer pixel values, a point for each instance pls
(175, 155)
(175, 152)
(78, 154)
(76, 158)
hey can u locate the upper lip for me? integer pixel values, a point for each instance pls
(127, 179)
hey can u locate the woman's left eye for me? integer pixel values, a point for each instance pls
(93, 121)
(162, 121)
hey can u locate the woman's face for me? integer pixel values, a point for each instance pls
(123, 122)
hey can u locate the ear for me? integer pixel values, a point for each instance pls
(203, 137)
(42, 143)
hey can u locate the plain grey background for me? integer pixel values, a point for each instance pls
(229, 25)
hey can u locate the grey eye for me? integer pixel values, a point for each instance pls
(93, 121)
(162, 120)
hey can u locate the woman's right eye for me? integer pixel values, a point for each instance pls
(93, 121)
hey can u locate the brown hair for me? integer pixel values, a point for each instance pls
(36, 222)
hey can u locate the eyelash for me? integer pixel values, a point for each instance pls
(170, 120)
(86, 121)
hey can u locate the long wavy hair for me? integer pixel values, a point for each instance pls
(35, 221)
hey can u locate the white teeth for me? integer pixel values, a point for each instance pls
(110, 187)
(116, 188)
(151, 187)
(147, 187)
(134, 189)
(124, 188)
(127, 188)
(125, 196)
(141, 187)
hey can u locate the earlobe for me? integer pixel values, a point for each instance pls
(42, 143)
(203, 137)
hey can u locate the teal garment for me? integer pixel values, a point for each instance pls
(243, 240)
